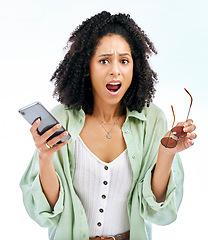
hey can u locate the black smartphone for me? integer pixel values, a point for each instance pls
(36, 110)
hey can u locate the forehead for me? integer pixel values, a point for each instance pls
(112, 43)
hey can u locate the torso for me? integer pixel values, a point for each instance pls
(94, 137)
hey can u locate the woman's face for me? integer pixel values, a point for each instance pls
(111, 69)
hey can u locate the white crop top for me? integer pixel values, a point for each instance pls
(103, 189)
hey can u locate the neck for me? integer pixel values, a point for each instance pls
(108, 114)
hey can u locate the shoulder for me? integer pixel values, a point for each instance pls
(153, 112)
(63, 114)
(155, 118)
(59, 109)
(60, 112)
(156, 122)
(148, 114)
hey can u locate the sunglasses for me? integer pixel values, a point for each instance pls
(170, 142)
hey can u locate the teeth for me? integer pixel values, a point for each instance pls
(114, 84)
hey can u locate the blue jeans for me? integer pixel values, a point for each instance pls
(120, 238)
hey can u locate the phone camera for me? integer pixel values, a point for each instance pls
(23, 113)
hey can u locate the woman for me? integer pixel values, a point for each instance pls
(113, 178)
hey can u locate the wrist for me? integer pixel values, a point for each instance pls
(45, 163)
(167, 151)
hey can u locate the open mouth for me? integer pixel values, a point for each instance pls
(113, 87)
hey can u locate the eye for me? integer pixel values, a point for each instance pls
(104, 61)
(125, 61)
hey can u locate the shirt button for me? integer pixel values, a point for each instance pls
(127, 131)
(101, 210)
(106, 167)
(105, 182)
(103, 197)
(133, 156)
(99, 224)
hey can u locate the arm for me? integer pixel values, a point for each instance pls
(165, 158)
(48, 177)
(49, 182)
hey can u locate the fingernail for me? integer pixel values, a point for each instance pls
(185, 129)
(191, 143)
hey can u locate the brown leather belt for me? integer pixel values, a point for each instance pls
(123, 236)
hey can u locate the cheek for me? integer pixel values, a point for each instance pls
(93, 76)
(93, 82)
(95, 71)
(129, 76)
(96, 81)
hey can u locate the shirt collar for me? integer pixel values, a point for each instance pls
(136, 114)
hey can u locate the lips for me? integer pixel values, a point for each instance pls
(113, 86)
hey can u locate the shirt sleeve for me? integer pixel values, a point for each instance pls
(34, 199)
(163, 213)
(166, 212)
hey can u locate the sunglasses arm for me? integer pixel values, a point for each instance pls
(190, 103)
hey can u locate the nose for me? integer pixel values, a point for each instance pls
(115, 69)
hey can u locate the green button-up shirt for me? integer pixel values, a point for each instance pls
(142, 133)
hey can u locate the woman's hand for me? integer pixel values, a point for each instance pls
(46, 149)
(185, 142)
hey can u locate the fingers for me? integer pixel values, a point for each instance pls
(34, 127)
(188, 143)
(58, 146)
(56, 139)
(186, 137)
(192, 136)
(189, 126)
(41, 141)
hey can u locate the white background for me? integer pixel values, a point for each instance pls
(32, 37)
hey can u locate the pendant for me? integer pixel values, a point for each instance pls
(108, 135)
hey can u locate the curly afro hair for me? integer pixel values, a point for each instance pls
(71, 79)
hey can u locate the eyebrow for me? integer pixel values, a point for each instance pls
(110, 54)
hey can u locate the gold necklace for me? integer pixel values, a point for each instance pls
(108, 135)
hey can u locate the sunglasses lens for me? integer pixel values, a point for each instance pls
(178, 131)
(168, 142)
